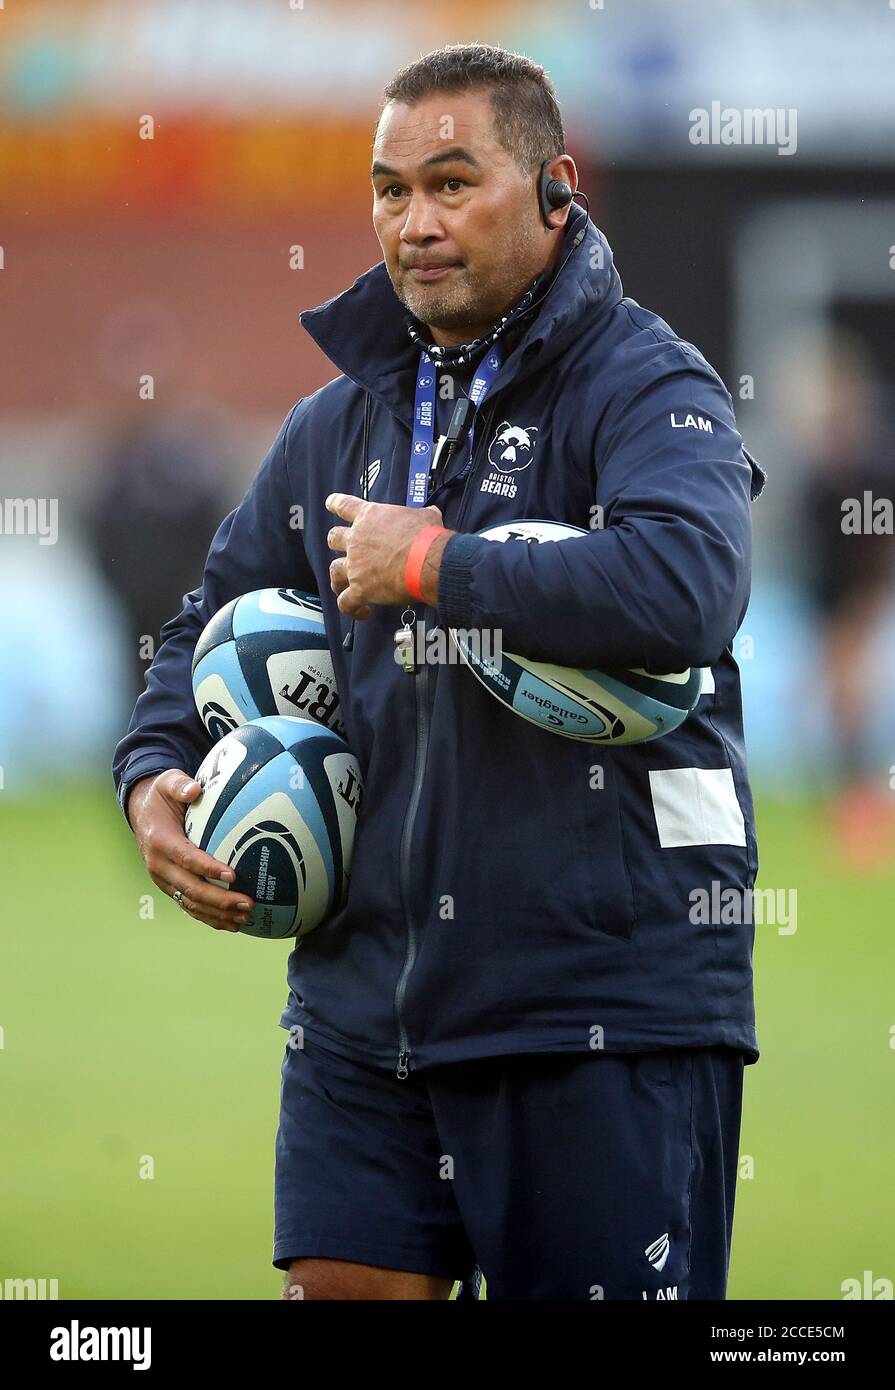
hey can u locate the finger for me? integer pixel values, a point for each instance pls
(177, 787)
(351, 607)
(179, 791)
(437, 518)
(344, 505)
(206, 895)
(338, 576)
(211, 919)
(179, 852)
(337, 537)
(192, 891)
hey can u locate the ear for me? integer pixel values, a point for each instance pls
(533, 430)
(504, 425)
(562, 168)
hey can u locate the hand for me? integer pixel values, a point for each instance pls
(376, 544)
(156, 809)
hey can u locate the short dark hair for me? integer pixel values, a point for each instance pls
(527, 118)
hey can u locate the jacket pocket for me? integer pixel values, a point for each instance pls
(607, 872)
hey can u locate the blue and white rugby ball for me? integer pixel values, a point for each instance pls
(612, 707)
(279, 804)
(265, 653)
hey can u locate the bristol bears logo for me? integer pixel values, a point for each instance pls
(511, 448)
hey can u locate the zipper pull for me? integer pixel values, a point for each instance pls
(403, 1069)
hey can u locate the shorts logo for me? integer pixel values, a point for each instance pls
(511, 448)
(657, 1253)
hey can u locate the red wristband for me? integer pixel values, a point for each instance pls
(416, 558)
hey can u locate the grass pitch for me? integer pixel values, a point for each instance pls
(136, 1045)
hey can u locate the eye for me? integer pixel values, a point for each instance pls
(392, 188)
(461, 183)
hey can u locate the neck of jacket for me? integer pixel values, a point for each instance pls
(363, 330)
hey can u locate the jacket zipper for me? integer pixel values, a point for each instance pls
(421, 696)
(464, 500)
(421, 693)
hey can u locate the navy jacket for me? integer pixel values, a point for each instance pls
(512, 890)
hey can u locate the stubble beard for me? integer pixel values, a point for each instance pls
(469, 300)
(452, 306)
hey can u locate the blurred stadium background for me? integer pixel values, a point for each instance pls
(187, 257)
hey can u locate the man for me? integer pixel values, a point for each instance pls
(522, 1047)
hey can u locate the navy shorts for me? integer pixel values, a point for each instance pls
(560, 1176)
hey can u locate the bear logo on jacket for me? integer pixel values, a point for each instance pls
(511, 448)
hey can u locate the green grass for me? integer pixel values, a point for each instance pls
(819, 1118)
(125, 1037)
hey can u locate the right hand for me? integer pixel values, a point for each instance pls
(156, 809)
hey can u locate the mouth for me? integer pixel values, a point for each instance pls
(433, 271)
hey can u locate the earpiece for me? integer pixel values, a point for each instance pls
(552, 194)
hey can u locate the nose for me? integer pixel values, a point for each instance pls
(421, 223)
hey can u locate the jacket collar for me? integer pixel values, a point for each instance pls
(363, 333)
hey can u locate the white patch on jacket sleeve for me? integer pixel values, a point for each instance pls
(708, 681)
(696, 806)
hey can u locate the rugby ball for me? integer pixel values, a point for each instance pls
(262, 654)
(611, 707)
(279, 804)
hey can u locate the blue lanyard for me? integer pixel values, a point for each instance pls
(423, 444)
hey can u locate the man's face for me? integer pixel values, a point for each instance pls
(456, 218)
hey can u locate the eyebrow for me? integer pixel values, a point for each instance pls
(455, 155)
